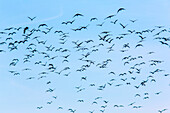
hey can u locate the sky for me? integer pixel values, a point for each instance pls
(20, 95)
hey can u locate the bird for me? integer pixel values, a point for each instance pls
(48, 82)
(30, 78)
(41, 25)
(25, 29)
(94, 102)
(102, 111)
(92, 19)
(80, 100)
(49, 102)
(131, 31)
(59, 108)
(159, 26)
(138, 45)
(31, 18)
(100, 24)
(120, 9)
(2, 43)
(78, 14)
(71, 110)
(68, 22)
(114, 22)
(161, 111)
(131, 104)
(40, 107)
(133, 21)
(163, 43)
(123, 26)
(9, 28)
(2, 51)
(110, 16)
(84, 78)
(158, 93)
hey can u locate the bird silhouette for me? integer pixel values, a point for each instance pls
(110, 16)
(31, 18)
(123, 26)
(78, 14)
(25, 29)
(120, 9)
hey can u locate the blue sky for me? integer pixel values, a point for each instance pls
(19, 95)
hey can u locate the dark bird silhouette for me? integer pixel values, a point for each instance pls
(48, 82)
(78, 14)
(114, 22)
(83, 78)
(30, 78)
(16, 73)
(123, 26)
(94, 102)
(9, 28)
(120, 9)
(131, 31)
(41, 25)
(59, 108)
(131, 104)
(159, 26)
(39, 107)
(2, 51)
(25, 29)
(137, 87)
(161, 111)
(55, 97)
(31, 18)
(142, 37)
(80, 100)
(102, 111)
(137, 95)
(2, 43)
(49, 102)
(158, 93)
(100, 24)
(68, 22)
(163, 43)
(105, 32)
(126, 45)
(133, 21)
(58, 31)
(3, 33)
(138, 45)
(71, 110)
(109, 17)
(137, 107)
(88, 41)
(50, 90)
(92, 19)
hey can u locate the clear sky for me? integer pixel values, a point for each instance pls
(19, 94)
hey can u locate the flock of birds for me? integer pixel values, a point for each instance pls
(71, 55)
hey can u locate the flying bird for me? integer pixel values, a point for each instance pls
(109, 17)
(25, 29)
(123, 26)
(78, 14)
(31, 18)
(133, 21)
(40, 107)
(41, 25)
(120, 9)
(92, 19)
